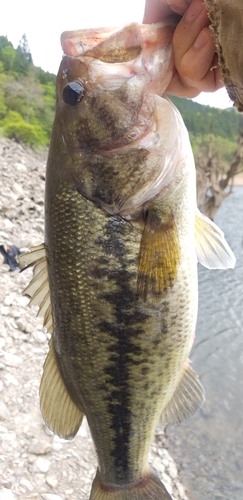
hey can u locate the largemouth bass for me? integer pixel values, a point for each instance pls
(116, 279)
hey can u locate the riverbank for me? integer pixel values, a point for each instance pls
(34, 463)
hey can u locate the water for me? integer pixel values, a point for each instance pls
(209, 446)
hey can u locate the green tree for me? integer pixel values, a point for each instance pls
(23, 58)
(8, 55)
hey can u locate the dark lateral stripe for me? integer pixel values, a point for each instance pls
(124, 353)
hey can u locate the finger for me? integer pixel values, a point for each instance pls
(178, 6)
(195, 64)
(197, 67)
(188, 29)
(211, 81)
(155, 11)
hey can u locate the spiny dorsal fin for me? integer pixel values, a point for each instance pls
(38, 288)
(212, 249)
(59, 411)
(186, 400)
(159, 255)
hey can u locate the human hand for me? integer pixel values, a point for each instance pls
(196, 63)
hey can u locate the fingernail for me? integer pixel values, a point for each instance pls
(200, 41)
(194, 9)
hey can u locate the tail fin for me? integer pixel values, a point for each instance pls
(148, 488)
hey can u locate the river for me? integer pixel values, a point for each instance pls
(209, 447)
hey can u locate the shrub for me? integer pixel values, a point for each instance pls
(15, 127)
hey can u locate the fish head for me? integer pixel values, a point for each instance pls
(98, 102)
(107, 89)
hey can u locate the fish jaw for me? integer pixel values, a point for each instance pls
(117, 45)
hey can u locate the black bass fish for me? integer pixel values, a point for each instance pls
(116, 279)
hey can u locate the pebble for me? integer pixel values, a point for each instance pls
(43, 464)
(21, 324)
(12, 359)
(26, 484)
(50, 496)
(6, 494)
(52, 481)
(4, 412)
(39, 447)
(10, 379)
(40, 337)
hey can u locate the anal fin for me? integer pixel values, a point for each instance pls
(159, 255)
(58, 409)
(186, 400)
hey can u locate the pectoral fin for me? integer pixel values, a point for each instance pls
(59, 411)
(159, 255)
(38, 288)
(186, 400)
(212, 249)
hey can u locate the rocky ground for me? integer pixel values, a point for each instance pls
(34, 463)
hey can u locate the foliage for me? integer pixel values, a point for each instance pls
(27, 95)
(203, 122)
(14, 127)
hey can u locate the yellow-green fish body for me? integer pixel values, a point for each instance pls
(120, 291)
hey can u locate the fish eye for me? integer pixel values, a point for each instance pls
(73, 93)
